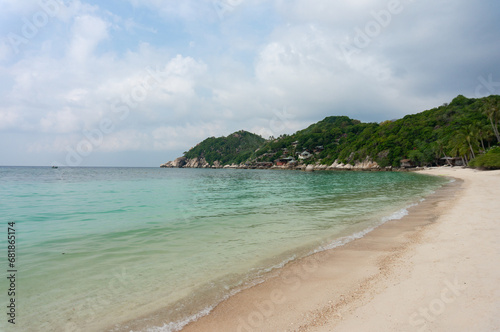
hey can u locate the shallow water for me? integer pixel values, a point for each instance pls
(99, 246)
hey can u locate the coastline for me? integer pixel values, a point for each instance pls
(383, 280)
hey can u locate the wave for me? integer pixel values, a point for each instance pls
(346, 239)
(179, 325)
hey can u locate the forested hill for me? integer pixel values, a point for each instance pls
(464, 128)
(235, 148)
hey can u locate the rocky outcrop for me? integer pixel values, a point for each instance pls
(233, 166)
(177, 163)
(183, 162)
(197, 163)
(200, 162)
(336, 165)
(320, 167)
(367, 164)
(309, 168)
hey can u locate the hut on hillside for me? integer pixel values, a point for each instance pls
(451, 161)
(305, 155)
(407, 163)
(284, 161)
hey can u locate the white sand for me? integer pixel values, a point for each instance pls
(451, 280)
(437, 269)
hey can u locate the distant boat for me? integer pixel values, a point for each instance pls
(55, 167)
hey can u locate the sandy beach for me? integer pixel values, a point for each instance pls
(436, 269)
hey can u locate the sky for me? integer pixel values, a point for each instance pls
(138, 82)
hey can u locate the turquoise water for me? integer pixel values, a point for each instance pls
(99, 246)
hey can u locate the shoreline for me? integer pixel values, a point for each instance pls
(326, 289)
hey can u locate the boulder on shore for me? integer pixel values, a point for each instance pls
(196, 163)
(366, 164)
(183, 162)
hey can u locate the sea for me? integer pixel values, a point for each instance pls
(109, 248)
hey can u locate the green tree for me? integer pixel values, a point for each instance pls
(492, 110)
(469, 134)
(459, 148)
(416, 156)
(484, 132)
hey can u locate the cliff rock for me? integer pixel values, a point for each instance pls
(366, 164)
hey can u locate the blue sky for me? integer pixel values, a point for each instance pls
(136, 83)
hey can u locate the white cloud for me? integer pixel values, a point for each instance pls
(125, 140)
(304, 67)
(5, 51)
(155, 85)
(185, 74)
(68, 10)
(10, 7)
(131, 25)
(186, 10)
(60, 122)
(8, 119)
(88, 32)
(76, 96)
(171, 137)
(342, 15)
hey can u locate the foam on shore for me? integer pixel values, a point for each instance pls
(341, 267)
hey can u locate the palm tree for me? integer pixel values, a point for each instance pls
(438, 149)
(484, 132)
(470, 135)
(459, 148)
(492, 110)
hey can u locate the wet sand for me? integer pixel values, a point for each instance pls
(433, 270)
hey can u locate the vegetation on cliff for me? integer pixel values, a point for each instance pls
(489, 160)
(464, 129)
(235, 148)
